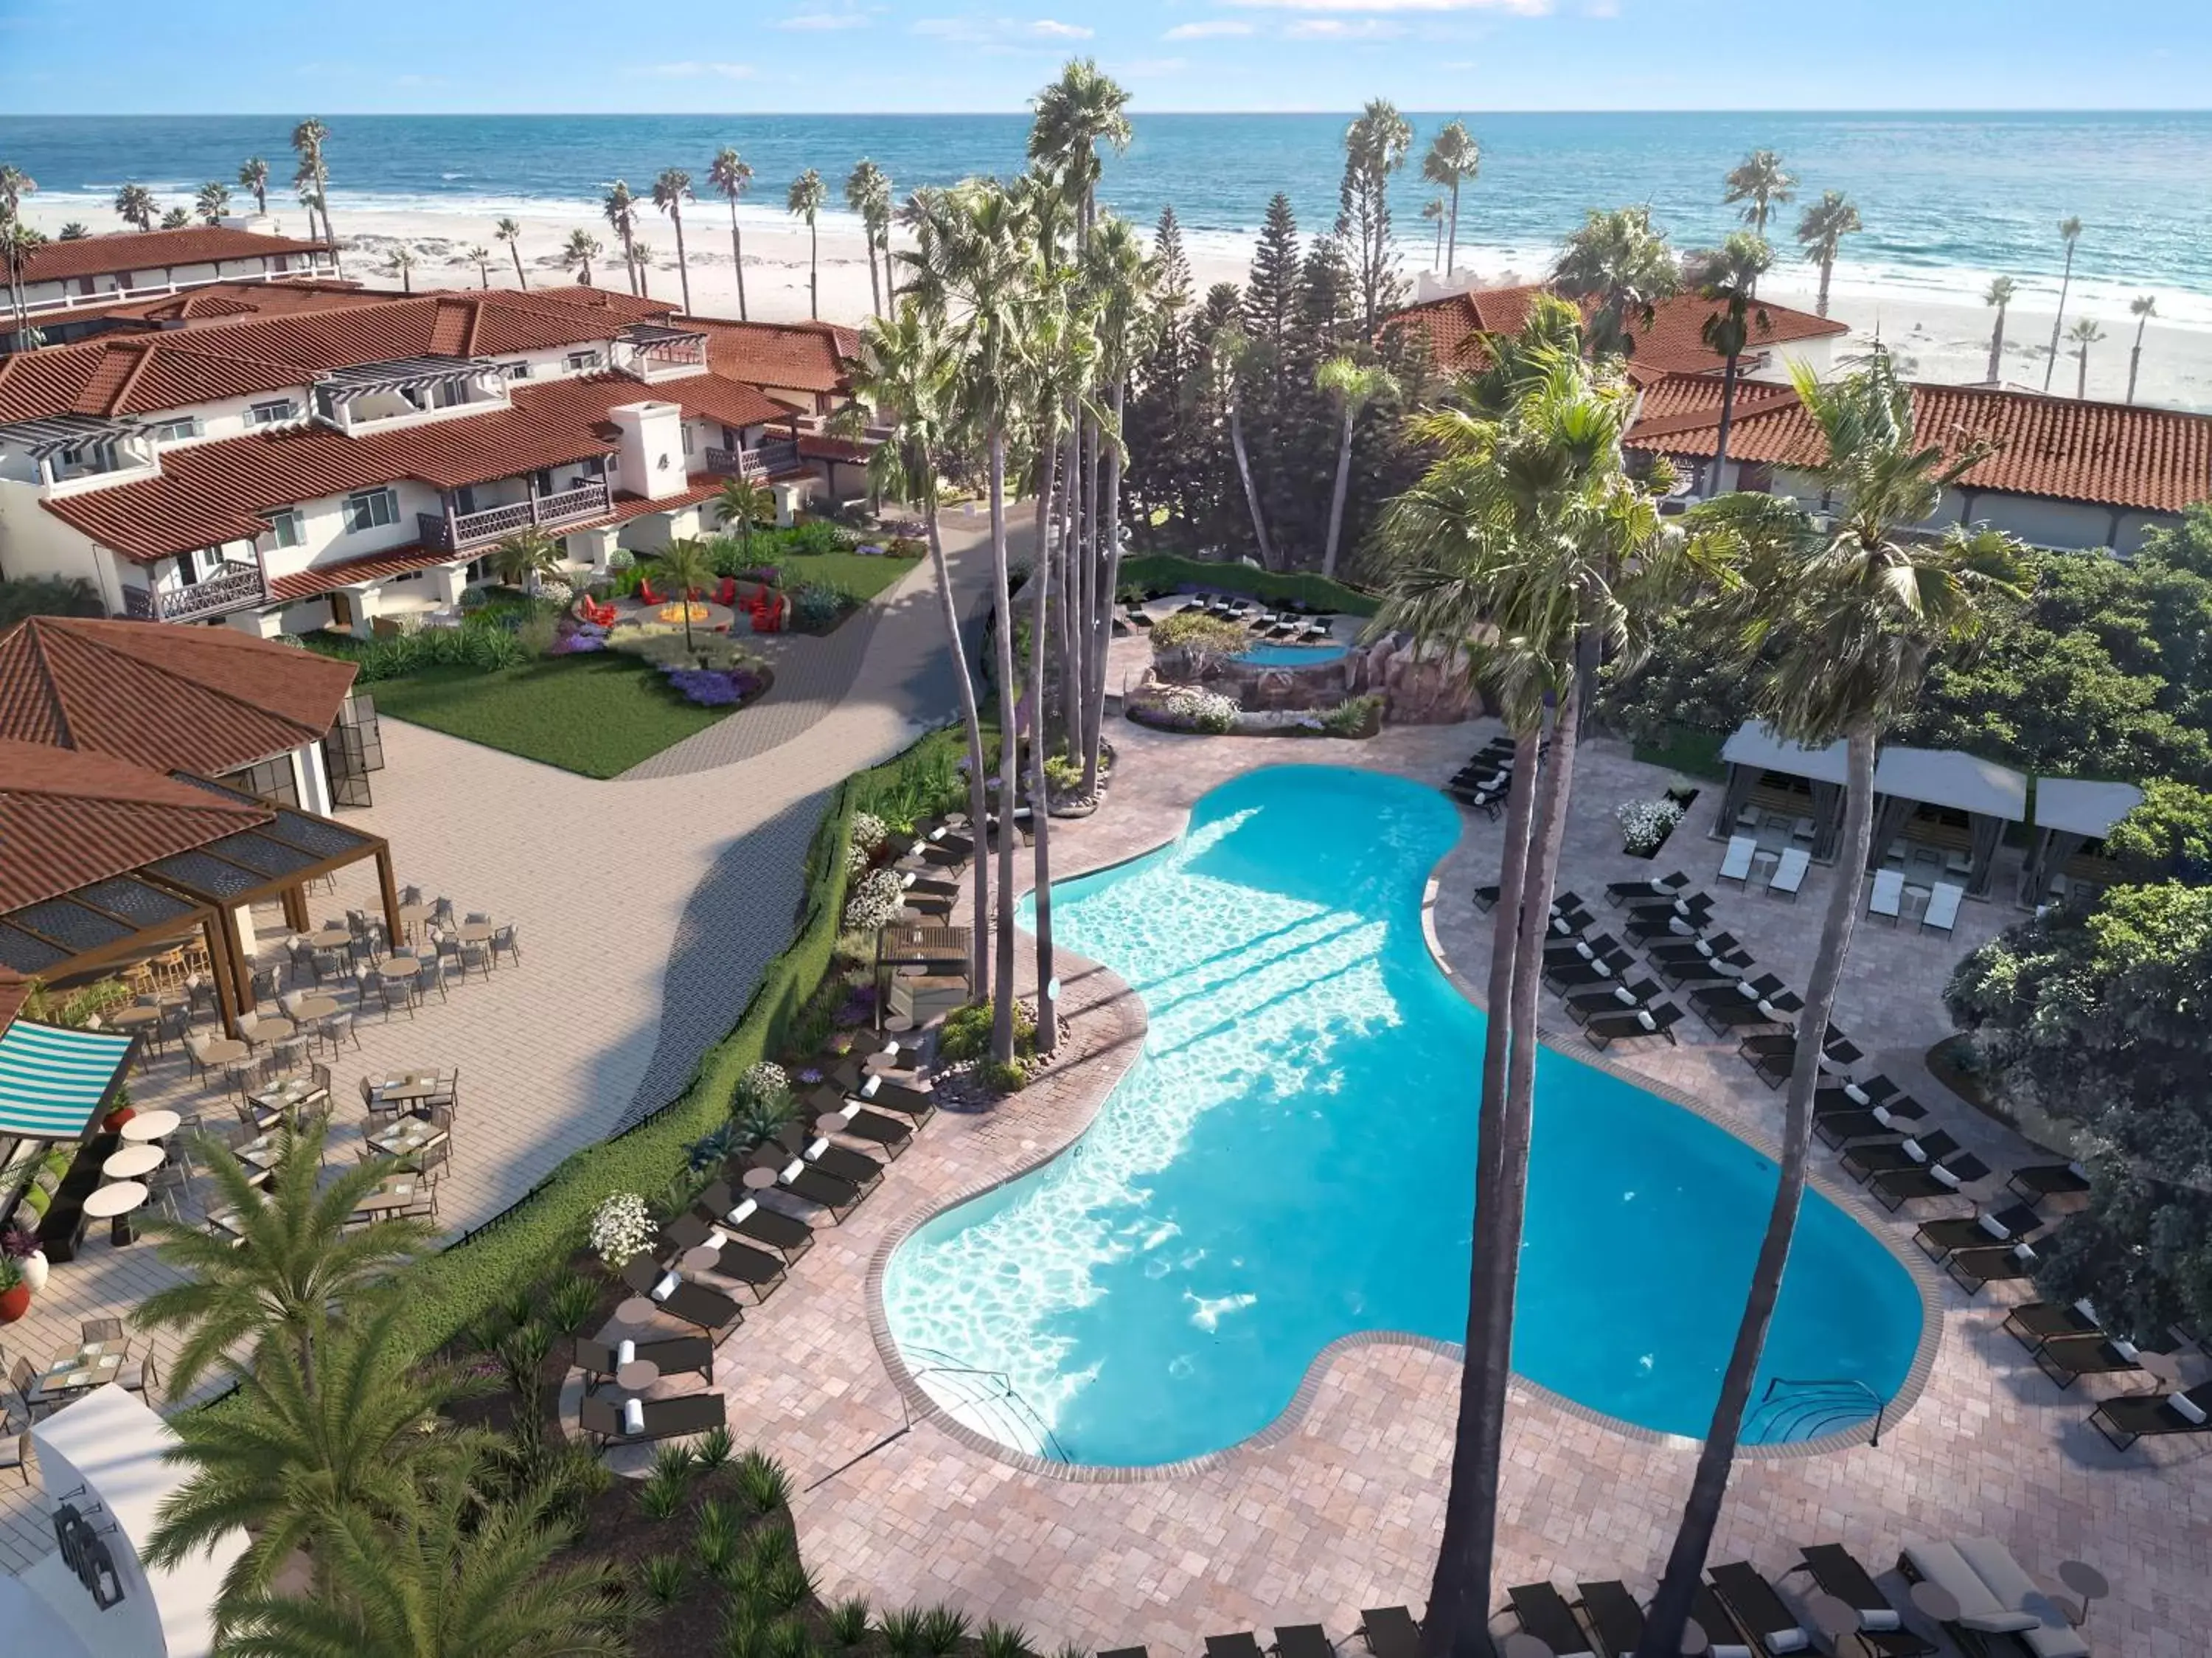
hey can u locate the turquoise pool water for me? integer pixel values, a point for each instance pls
(1291, 1160)
(1288, 655)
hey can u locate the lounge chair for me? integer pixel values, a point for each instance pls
(1390, 1632)
(2037, 1322)
(748, 1217)
(1567, 923)
(1681, 969)
(1892, 1121)
(877, 1129)
(1588, 1004)
(1736, 863)
(1678, 920)
(2069, 1358)
(2125, 1421)
(1887, 897)
(1836, 1571)
(802, 1180)
(1773, 1057)
(1588, 948)
(1694, 949)
(1543, 1611)
(1909, 1185)
(758, 1269)
(1762, 1001)
(1613, 1615)
(2049, 1180)
(671, 1356)
(1679, 902)
(1663, 887)
(1969, 1269)
(690, 1303)
(1979, 1231)
(1303, 1640)
(1862, 1161)
(636, 1422)
(1575, 973)
(855, 1167)
(1788, 875)
(1242, 1645)
(1724, 1636)
(913, 1104)
(1942, 912)
(1846, 1093)
(1994, 1596)
(1660, 1019)
(1753, 1604)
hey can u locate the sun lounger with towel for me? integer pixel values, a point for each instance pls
(1676, 921)
(1942, 912)
(1788, 875)
(636, 1421)
(1572, 972)
(1736, 863)
(802, 1180)
(1836, 1571)
(1658, 887)
(880, 1091)
(2049, 1180)
(1658, 1019)
(1751, 1601)
(1544, 1612)
(672, 1356)
(1993, 1595)
(746, 1216)
(1761, 1001)
(1892, 1121)
(1983, 1231)
(2125, 1421)
(693, 1304)
(2038, 1322)
(2069, 1358)
(1860, 1162)
(855, 1169)
(1888, 896)
(1969, 1269)
(1586, 1004)
(1901, 1186)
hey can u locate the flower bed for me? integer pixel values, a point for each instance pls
(1645, 824)
(1208, 713)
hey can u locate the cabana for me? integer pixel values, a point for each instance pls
(1919, 793)
(55, 1082)
(2070, 813)
(1768, 775)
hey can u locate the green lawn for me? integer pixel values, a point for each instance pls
(864, 577)
(597, 715)
(1693, 753)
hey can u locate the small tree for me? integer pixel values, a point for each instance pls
(687, 569)
(744, 505)
(524, 558)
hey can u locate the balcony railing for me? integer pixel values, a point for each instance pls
(772, 459)
(238, 588)
(470, 529)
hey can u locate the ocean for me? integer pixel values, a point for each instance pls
(1949, 200)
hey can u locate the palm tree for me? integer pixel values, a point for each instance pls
(730, 173)
(1352, 386)
(1433, 211)
(687, 567)
(307, 140)
(1833, 634)
(864, 188)
(1727, 277)
(907, 375)
(508, 231)
(2143, 308)
(1620, 264)
(444, 1575)
(2070, 232)
(480, 256)
(253, 175)
(17, 242)
(2000, 293)
(804, 198)
(400, 262)
(2084, 334)
(135, 207)
(583, 247)
(1226, 355)
(287, 1456)
(1454, 159)
(1761, 185)
(297, 1268)
(177, 218)
(74, 231)
(15, 234)
(1082, 109)
(642, 251)
(1822, 230)
(620, 208)
(669, 192)
(213, 202)
(745, 505)
(525, 558)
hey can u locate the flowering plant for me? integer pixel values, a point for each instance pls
(18, 1241)
(763, 1080)
(869, 830)
(1645, 824)
(1196, 709)
(874, 901)
(622, 1229)
(704, 687)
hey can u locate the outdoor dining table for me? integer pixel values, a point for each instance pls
(260, 1154)
(133, 1019)
(272, 1027)
(412, 916)
(225, 1051)
(331, 938)
(409, 1136)
(133, 1162)
(317, 1006)
(401, 1086)
(86, 1367)
(113, 1204)
(400, 1191)
(149, 1126)
(476, 932)
(278, 1104)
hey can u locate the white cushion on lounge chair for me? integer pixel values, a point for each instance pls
(1944, 1177)
(1559, 926)
(907, 880)
(1911, 1149)
(2051, 1640)
(1888, 892)
(1942, 910)
(2188, 1408)
(666, 1287)
(718, 1236)
(1736, 865)
(1643, 1018)
(2088, 1310)
(2127, 1350)
(1789, 872)
(1622, 994)
(1600, 970)
(1659, 885)
(820, 1145)
(1979, 1606)
(2022, 1254)
(1681, 908)
(1727, 1650)
(1858, 1095)
(791, 1170)
(625, 1351)
(1748, 992)
(1994, 1227)
(1786, 1641)
(738, 1215)
(1583, 950)
(2013, 1589)
(938, 833)
(1769, 1008)
(1705, 949)
(867, 1089)
(1880, 1620)
(1680, 928)
(632, 1415)
(1882, 1115)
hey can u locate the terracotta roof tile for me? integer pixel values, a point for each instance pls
(809, 356)
(1669, 343)
(152, 250)
(2103, 454)
(67, 818)
(198, 699)
(372, 567)
(224, 301)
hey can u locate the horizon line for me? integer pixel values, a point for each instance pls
(966, 114)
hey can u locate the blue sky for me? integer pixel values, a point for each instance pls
(62, 56)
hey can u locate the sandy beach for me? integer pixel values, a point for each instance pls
(1943, 339)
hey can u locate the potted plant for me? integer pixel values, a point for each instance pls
(14, 1293)
(20, 1244)
(120, 1113)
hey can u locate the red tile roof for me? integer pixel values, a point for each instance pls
(372, 567)
(191, 698)
(153, 250)
(1669, 343)
(225, 302)
(67, 818)
(210, 493)
(2106, 454)
(810, 356)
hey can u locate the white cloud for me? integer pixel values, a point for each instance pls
(1338, 28)
(692, 69)
(1052, 29)
(1524, 7)
(999, 34)
(823, 19)
(1147, 68)
(1209, 30)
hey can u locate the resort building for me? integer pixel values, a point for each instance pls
(353, 458)
(62, 276)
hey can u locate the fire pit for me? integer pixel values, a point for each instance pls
(675, 612)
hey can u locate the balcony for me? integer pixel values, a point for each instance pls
(772, 459)
(451, 532)
(240, 587)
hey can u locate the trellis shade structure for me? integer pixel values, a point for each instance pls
(1991, 795)
(1752, 752)
(2069, 812)
(54, 1083)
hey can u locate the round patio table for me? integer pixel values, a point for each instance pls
(833, 1122)
(133, 1162)
(331, 938)
(637, 1375)
(1938, 1602)
(759, 1180)
(636, 1311)
(224, 1050)
(1833, 1617)
(272, 1027)
(704, 1259)
(150, 1125)
(113, 1204)
(398, 968)
(2084, 1579)
(131, 1019)
(476, 932)
(412, 916)
(318, 1006)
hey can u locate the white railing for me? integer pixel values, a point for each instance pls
(158, 289)
(237, 587)
(468, 528)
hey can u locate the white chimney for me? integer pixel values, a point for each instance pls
(652, 453)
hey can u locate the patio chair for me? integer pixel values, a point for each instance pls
(1659, 1019)
(2067, 1359)
(2125, 1421)
(31, 1388)
(913, 1104)
(893, 1136)
(16, 1449)
(1887, 897)
(1752, 1602)
(1762, 1001)
(1942, 912)
(750, 1218)
(477, 956)
(1585, 1005)
(1661, 887)
(1970, 1269)
(802, 1180)
(502, 938)
(1303, 1640)
(672, 1355)
(854, 1167)
(1389, 1633)
(1241, 1645)
(1574, 974)
(692, 1303)
(1980, 1230)
(1543, 1611)
(1736, 863)
(1788, 875)
(1836, 1571)
(2033, 1323)
(1945, 1179)
(1861, 1163)
(757, 1269)
(1613, 1615)
(637, 1421)
(90, 1330)
(2049, 1180)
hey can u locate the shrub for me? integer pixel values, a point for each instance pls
(1355, 716)
(663, 1579)
(966, 1033)
(675, 1463)
(764, 1483)
(943, 1629)
(1011, 1077)
(569, 1302)
(787, 1637)
(848, 1622)
(903, 1632)
(492, 648)
(768, 1548)
(875, 901)
(622, 1229)
(743, 1636)
(1000, 1640)
(869, 832)
(522, 1357)
(1197, 638)
(1188, 708)
(661, 1498)
(814, 535)
(816, 607)
(538, 636)
(620, 559)
(762, 1080)
(717, 1541)
(1645, 824)
(786, 1586)
(705, 687)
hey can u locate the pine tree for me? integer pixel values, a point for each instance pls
(1330, 309)
(1374, 147)
(1219, 515)
(1161, 426)
(1271, 299)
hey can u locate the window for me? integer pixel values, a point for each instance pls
(450, 394)
(200, 565)
(687, 437)
(370, 508)
(273, 412)
(583, 362)
(515, 370)
(289, 527)
(272, 780)
(174, 431)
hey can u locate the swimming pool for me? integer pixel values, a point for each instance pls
(1289, 655)
(1291, 1160)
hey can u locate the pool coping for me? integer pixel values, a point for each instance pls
(1128, 1022)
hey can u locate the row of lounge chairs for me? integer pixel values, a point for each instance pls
(1787, 878)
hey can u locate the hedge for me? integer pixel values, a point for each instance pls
(1165, 570)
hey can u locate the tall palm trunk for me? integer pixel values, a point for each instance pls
(1662, 1630)
(1828, 269)
(979, 944)
(1002, 1011)
(1451, 238)
(875, 285)
(1086, 594)
(2135, 358)
(2059, 320)
(1336, 500)
(1459, 1593)
(515, 248)
(737, 257)
(1048, 1002)
(1997, 347)
(1251, 492)
(629, 255)
(814, 272)
(682, 265)
(2082, 378)
(1101, 626)
(1728, 420)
